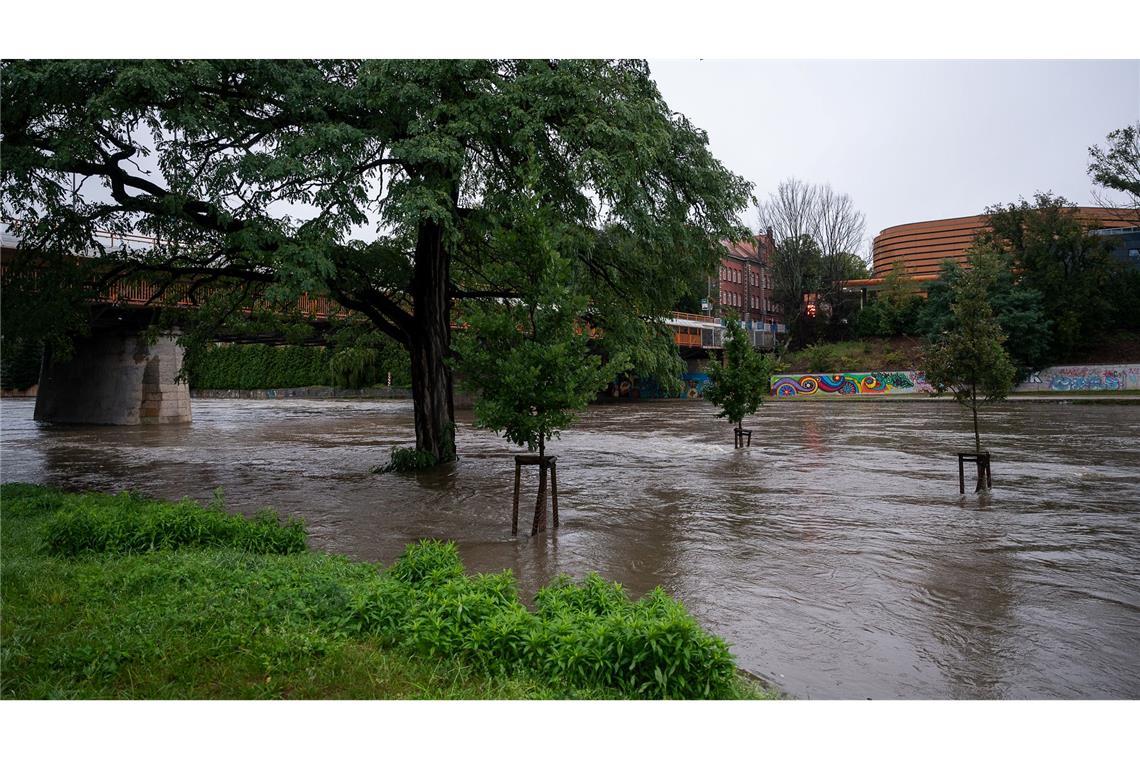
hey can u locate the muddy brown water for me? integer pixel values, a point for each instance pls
(835, 555)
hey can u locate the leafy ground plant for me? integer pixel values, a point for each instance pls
(229, 618)
(407, 459)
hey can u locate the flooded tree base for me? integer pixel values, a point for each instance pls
(544, 463)
(741, 438)
(982, 460)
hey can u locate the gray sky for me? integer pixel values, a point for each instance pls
(908, 140)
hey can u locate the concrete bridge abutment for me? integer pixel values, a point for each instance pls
(114, 376)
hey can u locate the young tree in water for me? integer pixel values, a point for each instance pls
(970, 360)
(529, 361)
(385, 184)
(740, 385)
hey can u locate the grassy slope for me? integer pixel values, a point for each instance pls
(207, 623)
(872, 355)
(903, 353)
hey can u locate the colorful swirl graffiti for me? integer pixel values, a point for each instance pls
(847, 384)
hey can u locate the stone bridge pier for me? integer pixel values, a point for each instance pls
(114, 377)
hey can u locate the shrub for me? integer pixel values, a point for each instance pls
(585, 634)
(821, 358)
(407, 459)
(428, 562)
(127, 524)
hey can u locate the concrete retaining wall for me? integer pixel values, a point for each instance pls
(1083, 377)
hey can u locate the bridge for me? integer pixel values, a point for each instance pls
(117, 377)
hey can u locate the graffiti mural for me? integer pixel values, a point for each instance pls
(694, 384)
(849, 384)
(1084, 377)
(1102, 377)
(692, 387)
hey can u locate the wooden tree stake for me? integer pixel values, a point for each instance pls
(982, 462)
(543, 463)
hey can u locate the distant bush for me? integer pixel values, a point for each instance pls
(20, 364)
(127, 524)
(821, 358)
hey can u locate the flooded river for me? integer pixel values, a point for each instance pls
(836, 554)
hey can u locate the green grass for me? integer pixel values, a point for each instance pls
(232, 619)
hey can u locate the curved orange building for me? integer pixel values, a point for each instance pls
(922, 246)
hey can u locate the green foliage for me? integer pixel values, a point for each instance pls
(970, 359)
(530, 361)
(408, 459)
(796, 270)
(1118, 167)
(446, 159)
(1019, 309)
(361, 356)
(250, 366)
(253, 366)
(126, 524)
(19, 363)
(355, 367)
(739, 387)
(222, 621)
(895, 309)
(1055, 256)
(822, 357)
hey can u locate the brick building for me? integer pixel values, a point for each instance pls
(745, 283)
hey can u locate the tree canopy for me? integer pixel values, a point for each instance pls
(969, 359)
(740, 385)
(1117, 166)
(1054, 254)
(396, 187)
(1019, 310)
(529, 361)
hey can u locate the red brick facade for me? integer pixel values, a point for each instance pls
(745, 286)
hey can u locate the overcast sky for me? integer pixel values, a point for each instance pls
(908, 141)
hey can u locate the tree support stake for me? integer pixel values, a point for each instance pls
(544, 463)
(981, 459)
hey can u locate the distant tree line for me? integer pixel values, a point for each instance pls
(253, 366)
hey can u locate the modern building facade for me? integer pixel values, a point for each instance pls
(923, 246)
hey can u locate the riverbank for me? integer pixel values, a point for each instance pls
(123, 597)
(310, 391)
(1069, 397)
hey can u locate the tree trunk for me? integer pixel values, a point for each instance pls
(430, 344)
(974, 408)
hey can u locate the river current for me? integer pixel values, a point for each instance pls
(835, 555)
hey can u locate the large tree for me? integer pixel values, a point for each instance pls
(1117, 167)
(396, 187)
(818, 234)
(1019, 310)
(840, 231)
(1054, 254)
(795, 272)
